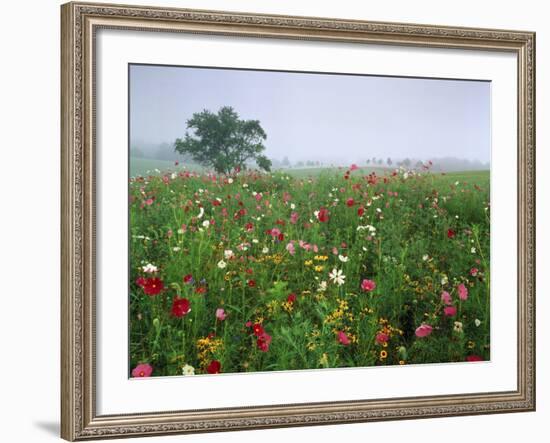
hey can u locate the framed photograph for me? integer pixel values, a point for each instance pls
(282, 221)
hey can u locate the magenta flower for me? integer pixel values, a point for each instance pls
(294, 218)
(220, 314)
(382, 338)
(343, 338)
(290, 248)
(446, 298)
(368, 285)
(449, 311)
(462, 292)
(423, 330)
(142, 370)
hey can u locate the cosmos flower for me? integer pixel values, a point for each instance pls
(142, 370)
(368, 285)
(149, 268)
(180, 307)
(151, 286)
(222, 264)
(462, 292)
(423, 330)
(446, 298)
(449, 311)
(188, 370)
(220, 314)
(343, 338)
(215, 367)
(337, 277)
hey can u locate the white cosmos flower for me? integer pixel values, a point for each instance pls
(292, 206)
(343, 258)
(229, 180)
(176, 248)
(425, 257)
(255, 241)
(222, 264)
(458, 327)
(444, 280)
(337, 277)
(188, 370)
(322, 286)
(265, 250)
(206, 223)
(201, 212)
(228, 253)
(149, 268)
(477, 322)
(473, 250)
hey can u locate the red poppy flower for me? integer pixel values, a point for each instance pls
(188, 278)
(258, 329)
(291, 298)
(249, 227)
(251, 283)
(450, 233)
(151, 286)
(361, 212)
(281, 237)
(350, 202)
(322, 215)
(180, 307)
(215, 367)
(200, 290)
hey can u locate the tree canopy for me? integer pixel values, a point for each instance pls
(224, 142)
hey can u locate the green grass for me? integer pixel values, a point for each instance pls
(149, 166)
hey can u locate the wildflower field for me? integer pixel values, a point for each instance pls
(273, 271)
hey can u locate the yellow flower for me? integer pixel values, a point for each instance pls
(383, 354)
(308, 262)
(319, 268)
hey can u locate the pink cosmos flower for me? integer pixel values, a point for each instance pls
(350, 202)
(142, 370)
(423, 330)
(353, 167)
(449, 311)
(382, 338)
(343, 338)
(368, 285)
(220, 314)
(290, 248)
(474, 271)
(462, 292)
(294, 218)
(446, 298)
(149, 201)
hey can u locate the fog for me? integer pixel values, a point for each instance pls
(326, 118)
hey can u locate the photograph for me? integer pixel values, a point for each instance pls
(288, 220)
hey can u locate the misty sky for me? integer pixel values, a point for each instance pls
(319, 116)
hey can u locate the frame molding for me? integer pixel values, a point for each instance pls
(79, 21)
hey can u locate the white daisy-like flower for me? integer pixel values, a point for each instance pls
(230, 180)
(378, 210)
(343, 258)
(222, 264)
(292, 206)
(425, 257)
(265, 250)
(477, 322)
(149, 268)
(473, 250)
(337, 277)
(206, 223)
(322, 286)
(245, 185)
(228, 253)
(458, 327)
(444, 280)
(255, 241)
(176, 248)
(188, 370)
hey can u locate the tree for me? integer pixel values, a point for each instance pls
(388, 161)
(224, 142)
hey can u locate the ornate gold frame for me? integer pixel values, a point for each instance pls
(79, 21)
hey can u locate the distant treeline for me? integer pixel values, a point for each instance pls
(166, 151)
